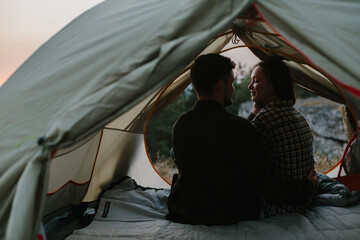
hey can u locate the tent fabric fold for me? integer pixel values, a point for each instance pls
(330, 40)
(92, 71)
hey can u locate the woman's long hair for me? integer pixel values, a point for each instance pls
(278, 74)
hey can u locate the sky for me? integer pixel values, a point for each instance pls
(26, 25)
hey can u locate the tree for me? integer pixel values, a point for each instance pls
(159, 130)
(242, 93)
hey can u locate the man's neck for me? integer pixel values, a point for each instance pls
(210, 98)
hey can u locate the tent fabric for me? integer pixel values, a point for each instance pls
(121, 149)
(97, 79)
(330, 39)
(139, 213)
(95, 69)
(277, 29)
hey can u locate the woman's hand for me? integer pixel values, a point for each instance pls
(313, 176)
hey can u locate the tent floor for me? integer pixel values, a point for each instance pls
(63, 222)
(129, 211)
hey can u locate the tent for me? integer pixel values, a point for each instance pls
(73, 115)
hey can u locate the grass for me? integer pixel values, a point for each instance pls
(166, 166)
(323, 164)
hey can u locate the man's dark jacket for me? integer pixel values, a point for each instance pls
(223, 170)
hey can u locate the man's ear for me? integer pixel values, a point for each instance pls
(220, 85)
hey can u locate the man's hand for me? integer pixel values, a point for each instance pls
(257, 107)
(313, 176)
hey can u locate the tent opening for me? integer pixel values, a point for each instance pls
(158, 129)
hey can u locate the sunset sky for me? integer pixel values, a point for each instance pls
(26, 25)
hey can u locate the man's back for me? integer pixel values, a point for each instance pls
(223, 168)
(215, 152)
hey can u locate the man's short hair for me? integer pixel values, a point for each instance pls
(208, 69)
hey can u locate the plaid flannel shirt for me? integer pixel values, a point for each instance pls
(289, 140)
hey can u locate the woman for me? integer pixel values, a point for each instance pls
(282, 128)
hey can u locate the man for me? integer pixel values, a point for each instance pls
(223, 169)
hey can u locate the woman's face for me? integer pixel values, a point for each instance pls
(261, 89)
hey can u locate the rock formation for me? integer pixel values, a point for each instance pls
(325, 120)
